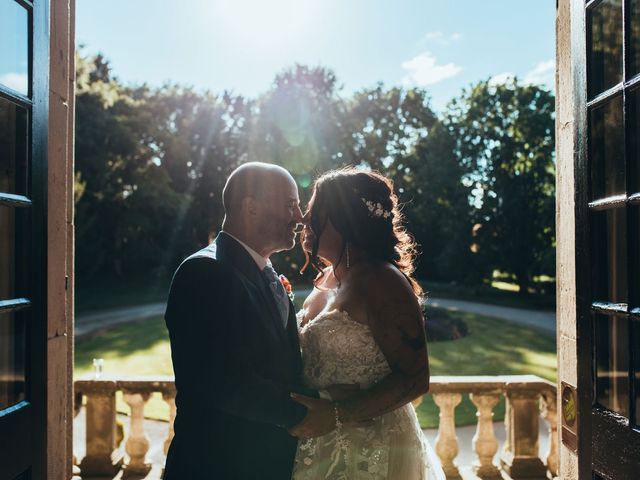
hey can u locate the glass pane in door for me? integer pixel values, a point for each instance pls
(13, 148)
(634, 258)
(606, 149)
(633, 129)
(7, 253)
(609, 256)
(612, 362)
(14, 46)
(636, 367)
(633, 51)
(12, 359)
(605, 40)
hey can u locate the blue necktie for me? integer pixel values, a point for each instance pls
(280, 296)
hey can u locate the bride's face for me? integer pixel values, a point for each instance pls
(330, 240)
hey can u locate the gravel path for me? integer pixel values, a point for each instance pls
(545, 321)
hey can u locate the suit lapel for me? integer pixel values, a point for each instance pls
(230, 251)
(292, 332)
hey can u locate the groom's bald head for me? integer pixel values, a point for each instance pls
(262, 207)
(251, 179)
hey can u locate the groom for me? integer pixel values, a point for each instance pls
(234, 341)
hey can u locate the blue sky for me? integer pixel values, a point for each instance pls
(239, 45)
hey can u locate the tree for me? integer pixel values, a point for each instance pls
(151, 164)
(127, 204)
(200, 139)
(384, 126)
(301, 124)
(505, 141)
(439, 213)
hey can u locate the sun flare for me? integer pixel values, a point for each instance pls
(264, 25)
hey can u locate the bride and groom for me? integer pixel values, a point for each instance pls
(265, 393)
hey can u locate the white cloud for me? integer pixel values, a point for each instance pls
(501, 78)
(441, 37)
(16, 81)
(433, 35)
(422, 70)
(542, 74)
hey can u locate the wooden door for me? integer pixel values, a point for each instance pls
(24, 70)
(608, 240)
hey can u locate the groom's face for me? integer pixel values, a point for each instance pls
(279, 215)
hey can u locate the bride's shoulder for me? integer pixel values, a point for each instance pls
(384, 279)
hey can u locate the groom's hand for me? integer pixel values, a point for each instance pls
(320, 418)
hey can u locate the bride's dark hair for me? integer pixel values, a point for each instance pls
(363, 208)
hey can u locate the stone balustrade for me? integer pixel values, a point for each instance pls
(528, 397)
(103, 458)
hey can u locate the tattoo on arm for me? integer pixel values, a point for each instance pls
(398, 329)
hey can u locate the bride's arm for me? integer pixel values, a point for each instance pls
(395, 319)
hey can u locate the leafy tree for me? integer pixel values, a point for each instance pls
(384, 125)
(201, 138)
(301, 124)
(126, 203)
(439, 213)
(504, 138)
(151, 164)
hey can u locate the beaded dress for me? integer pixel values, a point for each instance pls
(338, 350)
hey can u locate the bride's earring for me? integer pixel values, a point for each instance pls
(348, 262)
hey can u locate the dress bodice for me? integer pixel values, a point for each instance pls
(338, 350)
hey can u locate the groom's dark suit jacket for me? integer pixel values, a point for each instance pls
(235, 365)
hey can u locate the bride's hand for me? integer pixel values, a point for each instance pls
(340, 391)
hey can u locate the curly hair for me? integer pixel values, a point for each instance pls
(364, 209)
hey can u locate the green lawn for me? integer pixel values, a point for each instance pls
(493, 347)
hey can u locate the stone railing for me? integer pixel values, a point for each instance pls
(527, 398)
(103, 458)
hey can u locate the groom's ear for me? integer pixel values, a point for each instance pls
(250, 205)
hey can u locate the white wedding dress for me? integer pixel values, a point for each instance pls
(338, 350)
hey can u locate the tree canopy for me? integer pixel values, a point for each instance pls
(477, 181)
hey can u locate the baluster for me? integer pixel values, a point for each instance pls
(485, 443)
(507, 428)
(447, 441)
(522, 459)
(102, 457)
(170, 398)
(550, 415)
(137, 444)
(77, 406)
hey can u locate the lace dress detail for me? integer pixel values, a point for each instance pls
(335, 350)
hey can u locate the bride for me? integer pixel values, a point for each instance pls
(362, 325)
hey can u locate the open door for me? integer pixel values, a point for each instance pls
(608, 240)
(24, 72)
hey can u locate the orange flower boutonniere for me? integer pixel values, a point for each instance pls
(287, 287)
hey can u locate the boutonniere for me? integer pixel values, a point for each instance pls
(287, 287)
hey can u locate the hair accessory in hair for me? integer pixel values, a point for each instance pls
(375, 209)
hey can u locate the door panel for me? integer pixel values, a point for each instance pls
(24, 57)
(608, 246)
(12, 360)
